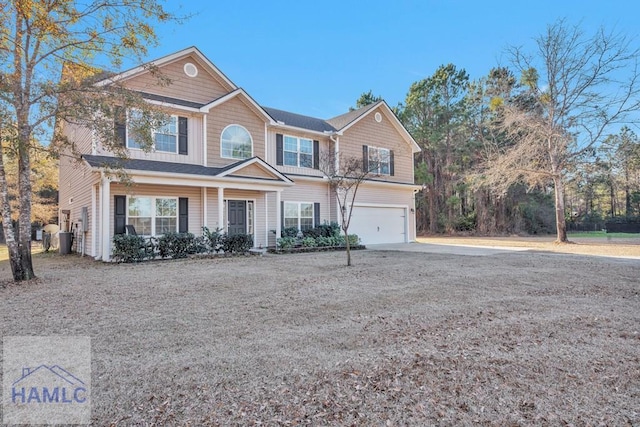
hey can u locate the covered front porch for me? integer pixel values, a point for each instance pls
(158, 202)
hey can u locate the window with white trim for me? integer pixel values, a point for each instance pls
(153, 216)
(298, 151)
(236, 143)
(379, 160)
(165, 138)
(298, 215)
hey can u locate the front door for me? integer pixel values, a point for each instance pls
(237, 217)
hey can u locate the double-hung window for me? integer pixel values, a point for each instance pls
(153, 216)
(298, 215)
(165, 137)
(298, 151)
(379, 161)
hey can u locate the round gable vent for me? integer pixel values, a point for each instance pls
(190, 69)
(378, 117)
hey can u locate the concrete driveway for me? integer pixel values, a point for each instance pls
(445, 249)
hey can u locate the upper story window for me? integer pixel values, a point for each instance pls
(379, 160)
(236, 143)
(165, 138)
(298, 152)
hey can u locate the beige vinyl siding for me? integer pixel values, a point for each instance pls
(79, 136)
(382, 135)
(193, 193)
(74, 180)
(194, 152)
(203, 88)
(271, 152)
(74, 192)
(313, 192)
(233, 112)
(254, 171)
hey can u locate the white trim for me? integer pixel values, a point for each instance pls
(394, 121)
(378, 149)
(246, 225)
(238, 92)
(406, 209)
(266, 218)
(153, 137)
(266, 166)
(172, 105)
(221, 207)
(279, 125)
(205, 209)
(105, 219)
(190, 69)
(267, 157)
(379, 205)
(314, 220)
(187, 180)
(248, 133)
(278, 215)
(153, 214)
(165, 60)
(204, 140)
(94, 223)
(298, 152)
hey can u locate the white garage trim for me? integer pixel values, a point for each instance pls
(374, 225)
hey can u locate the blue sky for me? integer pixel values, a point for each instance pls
(317, 57)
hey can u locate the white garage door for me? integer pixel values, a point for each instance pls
(378, 224)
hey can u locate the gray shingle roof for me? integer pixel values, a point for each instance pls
(343, 120)
(169, 100)
(154, 166)
(299, 121)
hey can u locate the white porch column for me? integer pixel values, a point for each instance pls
(105, 219)
(94, 225)
(221, 209)
(266, 219)
(278, 214)
(205, 210)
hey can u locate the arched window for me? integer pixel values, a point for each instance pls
(236, 143)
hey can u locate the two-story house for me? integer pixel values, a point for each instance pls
(224, 161)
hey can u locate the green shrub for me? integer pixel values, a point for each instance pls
(326, 241)
(199, 246)
(354, 240)
(309, 242)
(286, 242)
(289, 232)
(324, 230)
(176, 245)
(213, 239)
(237, 244)
(128, 248)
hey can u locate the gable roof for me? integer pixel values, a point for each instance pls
(351, 118)
(237, 93)
(179, 168)
(343, 120)
(299, 121)
(165, 60)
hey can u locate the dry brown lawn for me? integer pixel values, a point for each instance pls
(521, 338)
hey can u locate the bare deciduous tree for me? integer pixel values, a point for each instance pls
(576, 88)
(345, 174)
